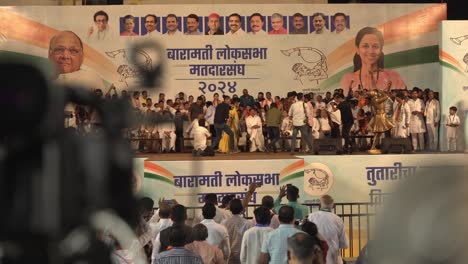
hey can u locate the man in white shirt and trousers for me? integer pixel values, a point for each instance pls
(331, 227)
(417, 125)
(432, 114)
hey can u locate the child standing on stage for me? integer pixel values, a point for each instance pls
(453, 121)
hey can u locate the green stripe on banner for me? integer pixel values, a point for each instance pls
(298, 174)
(157, 177)
(449, 65)
(429, 54)
(417, 56)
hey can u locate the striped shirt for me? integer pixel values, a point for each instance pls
(178, 255)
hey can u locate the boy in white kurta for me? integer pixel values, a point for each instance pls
(254, 129)
(453, 121)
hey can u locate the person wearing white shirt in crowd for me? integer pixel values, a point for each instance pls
(220, 213)
(254, 128)
(300, 117)
(453, 121)
(253, 237)
(256, 24)
(150, 25)
(432, 114)
(274, 246)
(325, 124)
(217, 234)
(331, 227)
(209, 116)
(171, 25)
(166, 130)
(417, 125)
(335, 116)
(235, 25)
(200, 135)
(319, 104)
(401, 117)
(236, 227)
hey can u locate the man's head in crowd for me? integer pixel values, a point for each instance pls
(145, 207)
(199, 232)
(262, 215)
(268, 202)
(302, 248)
(292, 193)
(326, 202)
(211, 198)
(66, 52)
(226, 200)
(286, 214)
(209, 211)
(165, 212)
(177, 237)
(178, 214)
(236, 206)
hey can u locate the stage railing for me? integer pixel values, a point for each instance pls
(358, 218)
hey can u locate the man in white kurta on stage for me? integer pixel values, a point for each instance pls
(432, 114)
(417, 124)
(166, 129)
(401, 117)
(254, 129)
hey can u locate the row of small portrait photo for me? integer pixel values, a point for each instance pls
(215, 24)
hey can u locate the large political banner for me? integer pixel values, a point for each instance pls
(454, 61)
(349, 179)
(207, 49)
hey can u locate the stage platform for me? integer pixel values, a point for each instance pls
(267, 156)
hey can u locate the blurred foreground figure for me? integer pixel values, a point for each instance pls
(425, 221)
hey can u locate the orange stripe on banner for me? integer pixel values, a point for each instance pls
(296, 165)
(397, 30)
(148, 165)
(448, 58)
(17, 27)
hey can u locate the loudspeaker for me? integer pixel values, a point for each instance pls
(396, 145)
(328, 146)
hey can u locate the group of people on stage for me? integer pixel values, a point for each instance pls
(268, 123)
(278, 233)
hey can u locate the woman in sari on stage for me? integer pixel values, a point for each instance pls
(233, 124)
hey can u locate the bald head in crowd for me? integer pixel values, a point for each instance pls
(66, 52)
(326, 201)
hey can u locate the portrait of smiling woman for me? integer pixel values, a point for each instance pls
(369, 72)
